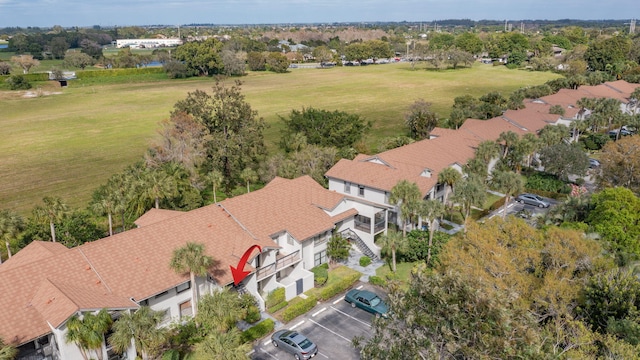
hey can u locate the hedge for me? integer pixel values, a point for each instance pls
(86, 74)
(333, 289)
(256, 332)
(320, 275)
(299, 308)
(277, 307)
(275, 297)
(377, 280)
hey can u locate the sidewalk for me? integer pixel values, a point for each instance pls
(353, 262)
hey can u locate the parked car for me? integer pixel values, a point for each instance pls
(294, 343)
(623, 132)
(532, 199)
(367, 301)
(593, 163)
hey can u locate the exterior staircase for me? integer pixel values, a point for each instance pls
(355, 239)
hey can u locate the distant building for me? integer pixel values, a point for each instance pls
(147, 43)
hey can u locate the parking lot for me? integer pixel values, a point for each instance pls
(331, 325)
(524, 210)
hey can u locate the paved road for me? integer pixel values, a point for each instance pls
(331, 325)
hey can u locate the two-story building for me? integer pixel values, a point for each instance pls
(291, 221)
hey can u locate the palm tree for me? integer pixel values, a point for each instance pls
(142, 327)
(468, 193)
(406, 195)
(220, 311)
(104, 205)
(449, 177)
(249, 175)
(431, 210)
(225, 345)
(54, 210)
(390, 243)
(216, 178)
(88, 332)
(510, 139)
(509, 183)
(7, 352)
(192, 259)
(11, 224)
(158, 184)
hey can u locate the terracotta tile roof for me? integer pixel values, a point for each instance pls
(46, 283)
(383, 171)
(296, 206)
(490, 129)
(33, 252)
(156, 215)
(604, 91)
(533, 117)
(622, 86)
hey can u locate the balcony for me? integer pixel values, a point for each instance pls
(281, 263)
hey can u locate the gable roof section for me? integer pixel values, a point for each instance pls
(48, 283)
(408, 162)
(622, 86)
(156, 215)
(299, 206)
(532, 118)
(33, 252)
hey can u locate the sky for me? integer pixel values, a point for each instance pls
(85, 13)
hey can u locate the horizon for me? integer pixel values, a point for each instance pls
(119, 13)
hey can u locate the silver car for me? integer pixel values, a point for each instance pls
(294, 343)
(532, 199)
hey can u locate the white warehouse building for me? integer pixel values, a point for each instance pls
(147, 43)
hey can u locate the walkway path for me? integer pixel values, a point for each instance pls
(353, 262)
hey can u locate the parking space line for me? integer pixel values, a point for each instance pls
(266, 352)
(329, 330)
(319, 353)
(296, 325)
(318, 312)
(266, 342)
(360, 287)
(338, 300)
(354, 318)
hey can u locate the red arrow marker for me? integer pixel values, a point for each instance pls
(238, 273)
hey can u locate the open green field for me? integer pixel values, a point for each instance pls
(66, 142)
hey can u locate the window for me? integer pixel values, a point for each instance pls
(185, 309)
(289, 239)
(361, 190)
(363, 223)
(320, 239)
(162, 294)
(183, 287)
(347, 187)
(320, 258)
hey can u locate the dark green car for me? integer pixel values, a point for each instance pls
(367, 301)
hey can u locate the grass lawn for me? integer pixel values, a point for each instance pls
(68, 141)
(403, 272)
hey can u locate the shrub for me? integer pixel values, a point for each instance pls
(299, 308)
(275, 297)
(320, 275)
(498, 204)
(377, 280)
(18, 82)
(418, 246)
(176, 70)
(546, 182)
(258, 331)
(365, 261)
(253, 314)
